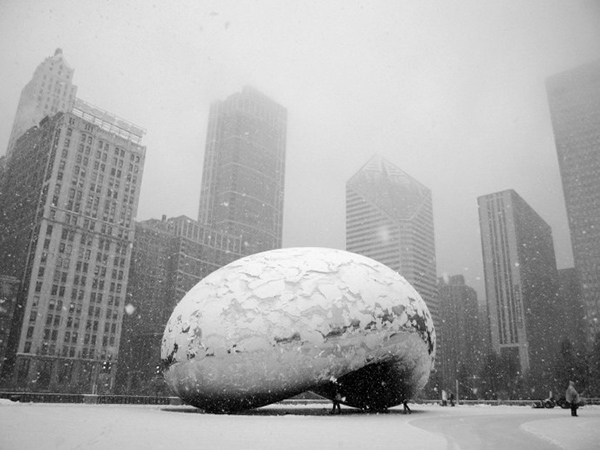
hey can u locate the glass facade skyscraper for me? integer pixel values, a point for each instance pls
(574, 99)
(521, 281)
(244, 170)
(389, 218)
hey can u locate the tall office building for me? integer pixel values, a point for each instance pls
(574, 99)
(51, 90)
(244, 168)
(459, 313)
(69, 197)
(169, 257)
(521, 281)
(389, 218)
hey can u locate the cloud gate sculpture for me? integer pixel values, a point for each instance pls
(275, 324)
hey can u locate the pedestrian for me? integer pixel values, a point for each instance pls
(572, 398)
(451, 399)
(444, 398)
(406, 408)
(337, 399)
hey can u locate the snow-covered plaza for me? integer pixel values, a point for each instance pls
(26, 426)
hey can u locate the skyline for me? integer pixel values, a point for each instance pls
(452, 94)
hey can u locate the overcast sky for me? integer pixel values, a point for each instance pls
(451, 92)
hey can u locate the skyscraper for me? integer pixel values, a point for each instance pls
(389, 218)
(521, 281)
(69, 196)
(244, 168)
(169, 257)
(459, 322)
(574, 98)
(51, 90)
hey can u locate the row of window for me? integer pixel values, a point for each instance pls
(92, 203)
(81, 280)
(52, 325)
(50, 348)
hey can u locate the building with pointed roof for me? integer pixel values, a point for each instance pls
(69, 193)
(50, 90)
(389, 218)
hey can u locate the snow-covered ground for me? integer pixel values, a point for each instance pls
(78, 426)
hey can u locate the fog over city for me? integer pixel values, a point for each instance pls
(452, 93)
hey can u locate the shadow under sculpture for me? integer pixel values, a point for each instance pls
(275, 324)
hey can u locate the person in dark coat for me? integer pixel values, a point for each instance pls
(337, 399)
(406, 408)
(572, 398)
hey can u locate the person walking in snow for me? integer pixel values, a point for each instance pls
(406, 408)
(572, 398)
(337, 399)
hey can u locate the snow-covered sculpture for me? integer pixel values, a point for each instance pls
(272, 325)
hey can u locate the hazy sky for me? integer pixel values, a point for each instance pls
(451, 92)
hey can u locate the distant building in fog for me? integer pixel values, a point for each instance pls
(574, 98)
(51, 90)
(521, 281)
(69, 196)
(169, 257)
(244, 168)
(459, 323)
(389, 218)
